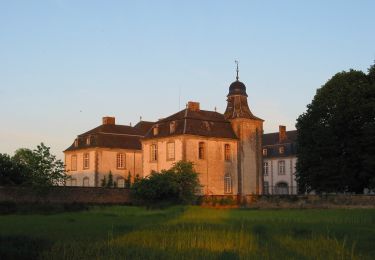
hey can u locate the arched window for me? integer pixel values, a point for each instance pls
(120, 161)
(86, 182)
(227, 183)
(281, 188)
(120, 182)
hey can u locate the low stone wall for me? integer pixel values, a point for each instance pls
(291, 201)
(66, 195)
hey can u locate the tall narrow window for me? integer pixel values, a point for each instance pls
(227, 152)
(227, 183)
(120, 161)
(86, 161)
(266, 188)
(74, 163)
(265, 168)
(281, 167)
(154, 152)
(202, 150)
(170, 151)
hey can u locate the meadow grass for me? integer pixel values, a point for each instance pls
(123, 232)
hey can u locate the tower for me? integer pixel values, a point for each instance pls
(248, 129)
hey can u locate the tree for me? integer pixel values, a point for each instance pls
(177, 185)
(104, 181)
(43, 169)
(128, 181)
(11, 172)
(336, 135)
(110, 183)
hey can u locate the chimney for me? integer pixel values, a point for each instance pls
(109, 120)
(193, 106)
(282, 133)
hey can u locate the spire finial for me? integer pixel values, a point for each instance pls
(236, 61)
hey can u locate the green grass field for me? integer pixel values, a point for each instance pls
(122, 232)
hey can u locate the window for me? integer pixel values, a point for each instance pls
(266, 188)
(120, 161)
(265, 168)
(154, 152)
(281, 167)
(281, 188)
(88, 140)
(281, 150)
(120, 182)
(172, 127)
(76, 142)
(86, 161)
(155, 130)
(227, 183)
(74, 163)
(264, 152)
(227, 152)
(202, 150)
(86, 182)
(170, 151)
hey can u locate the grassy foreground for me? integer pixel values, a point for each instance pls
(122, 232)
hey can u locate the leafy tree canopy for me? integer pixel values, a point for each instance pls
(336, 135)
(178, 184)
(36, 167)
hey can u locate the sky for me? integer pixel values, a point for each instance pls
(66, 64)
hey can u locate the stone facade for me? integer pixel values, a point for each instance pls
(279, 162)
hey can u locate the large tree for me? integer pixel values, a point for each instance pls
(36, 167)
(336, 135)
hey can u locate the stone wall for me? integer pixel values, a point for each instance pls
(292, 201)
(66, 195)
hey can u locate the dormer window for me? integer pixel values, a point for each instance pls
(281, 150)
(264, 152)
(88, 140)
(172, 127)
(156, 130)
(76, 142)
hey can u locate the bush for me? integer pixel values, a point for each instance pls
(176, 185)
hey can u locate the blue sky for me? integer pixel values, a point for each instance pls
(65, 64)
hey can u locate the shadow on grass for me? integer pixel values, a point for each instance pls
(21, 247)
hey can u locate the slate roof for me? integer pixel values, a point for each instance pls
(113, 136)
(271, 143)
(190, 122)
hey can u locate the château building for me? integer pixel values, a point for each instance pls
(226, 149)
(279, 162)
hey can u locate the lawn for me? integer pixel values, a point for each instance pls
(124, 232)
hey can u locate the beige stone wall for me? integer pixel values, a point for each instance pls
(211, 169)
(249, 154)
(162, 163)
(101, 162)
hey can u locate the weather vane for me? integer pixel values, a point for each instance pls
(236, 61)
